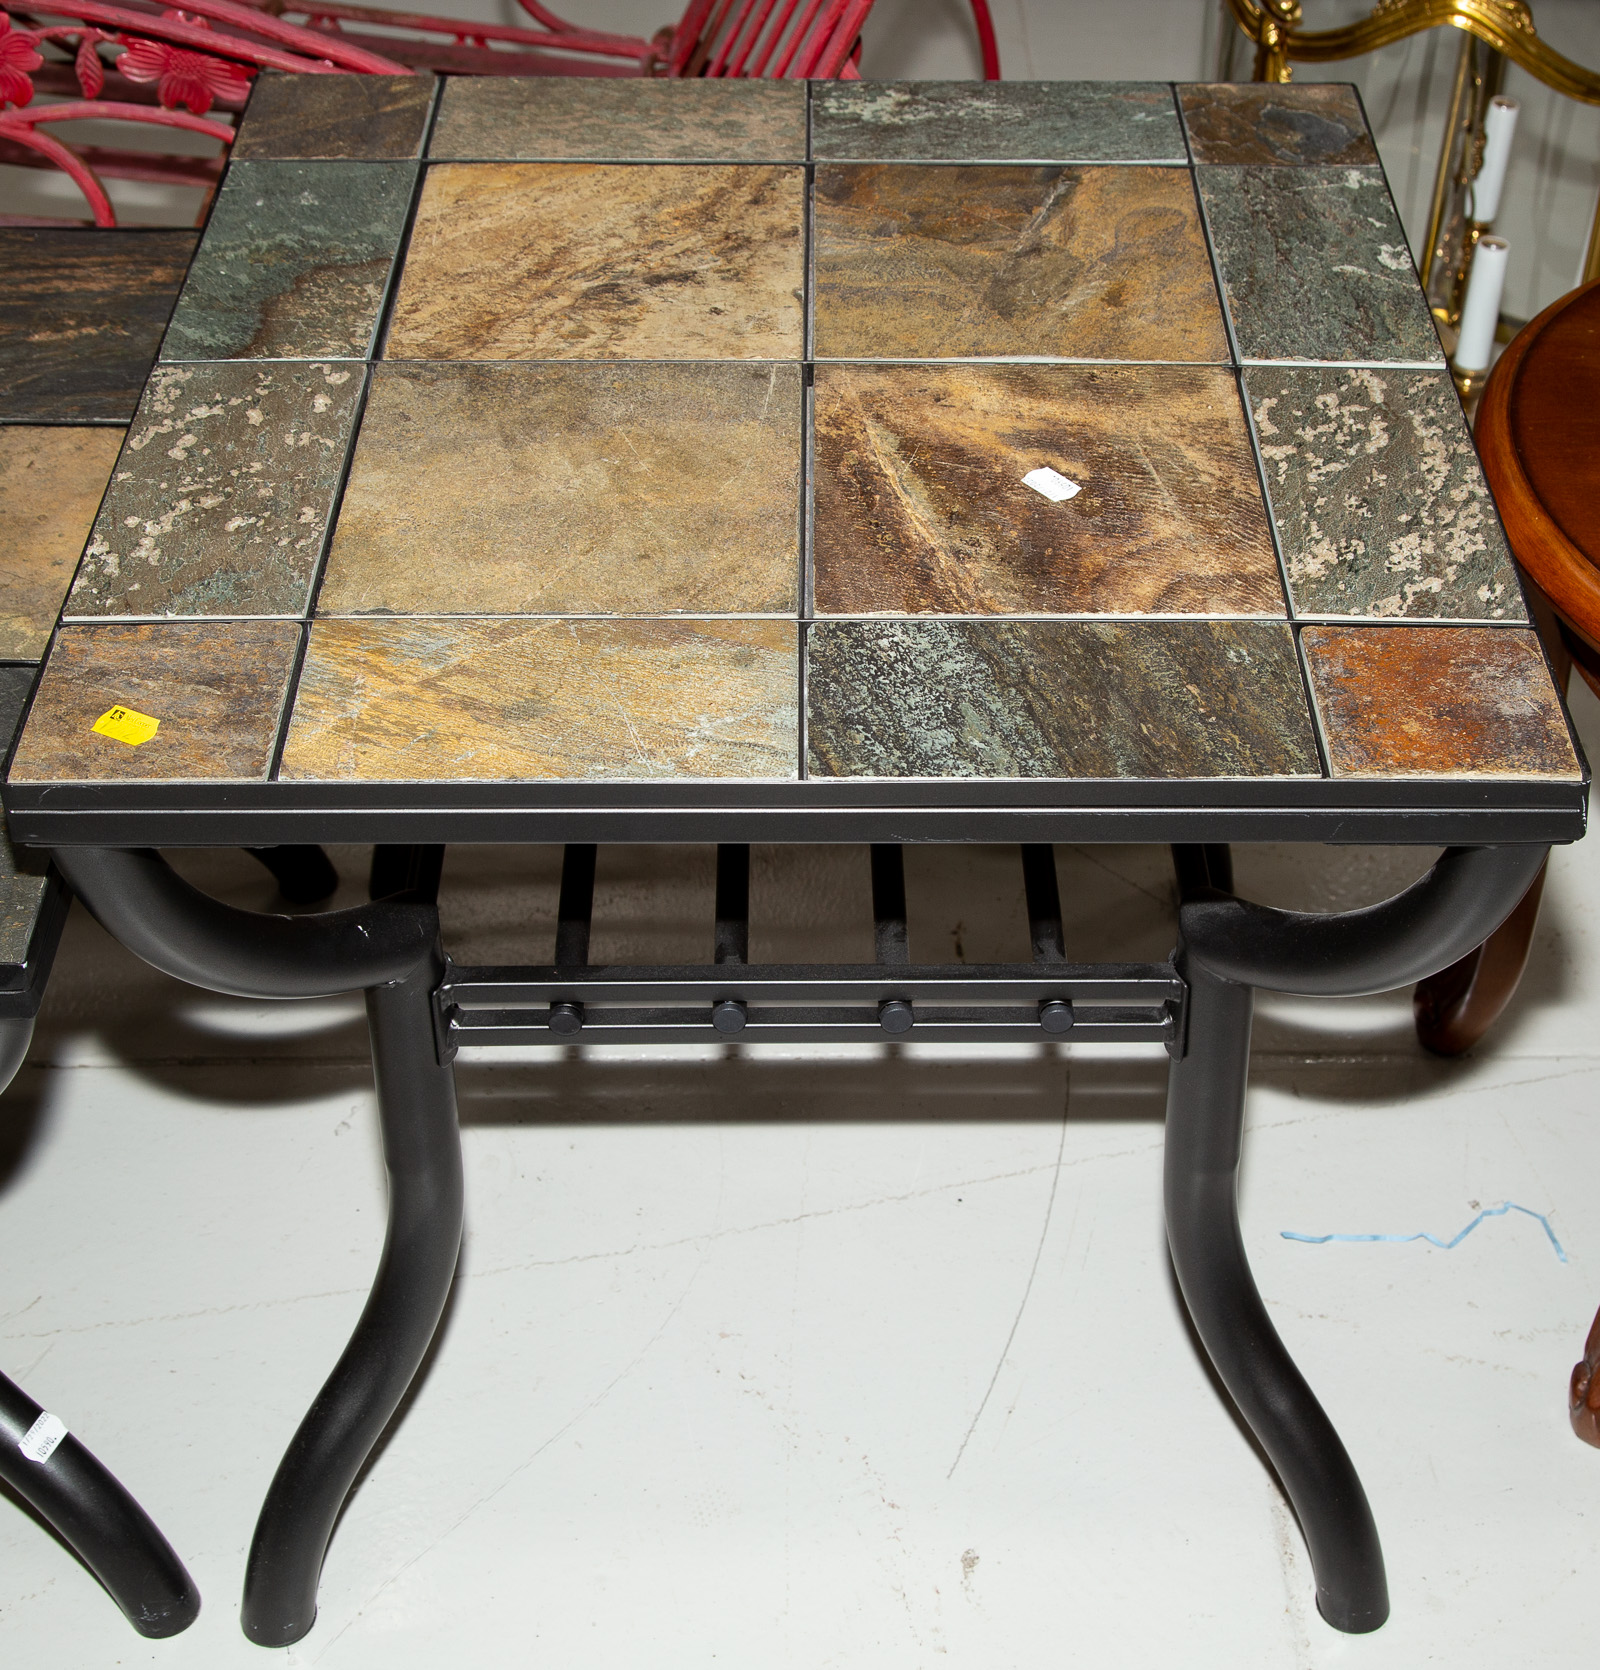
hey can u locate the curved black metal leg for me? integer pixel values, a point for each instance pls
(92, 1513)
(304, 874)
(1227, 948)
(1205, 1122)
(16, 1033)
(390, 948)
(422, 1151)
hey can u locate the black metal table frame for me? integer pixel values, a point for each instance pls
(421, 1008)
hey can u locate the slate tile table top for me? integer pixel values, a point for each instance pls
(606, 459)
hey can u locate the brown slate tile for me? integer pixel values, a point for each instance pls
(1259, 122)
(480, 700)
(217, 687)
(572, 489)
(221, 500)
(310, 117)
(1053, 698)
(51, 480)
(81, 317)
(585, 261)
(1423, 701)
(936, 262)
(921, 507)
(621, 119)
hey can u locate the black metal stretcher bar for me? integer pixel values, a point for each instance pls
(807, 1003)
(390, 948)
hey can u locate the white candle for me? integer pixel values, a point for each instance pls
(1499, 124)
(1481, 313)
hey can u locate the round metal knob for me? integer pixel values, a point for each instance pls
(566, 1017)
(1055, 1015)
(728, 1015)
(895, 1015)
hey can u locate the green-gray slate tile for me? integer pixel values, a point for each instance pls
(1078, 699)
(1380, 504)
(1315, 265)
(294, 262)
(995, 121)
(307, 116)
(221, 500)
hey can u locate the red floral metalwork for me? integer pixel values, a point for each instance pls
(90, 71)
(17, 57)
(192, 79)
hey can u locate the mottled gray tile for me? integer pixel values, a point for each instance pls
(1084, 699)
(1254, 122)
(221, 499)
(1315, 265)
(294, 262)
(552, 118)
(302, 117)
(1380, 503)
(995, 121)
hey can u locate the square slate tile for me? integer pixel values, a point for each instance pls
(222, 497)
(295, 261)
(477, 700)
(81, 317)
(1381, 506)
(51, 480)
(303, 118)
(584, 261)
(572, 489)
(931, 262)
(621, 119)
(1316, 265)
(217, 687)
(1425, 701)
(1085, 699)
(995, 121)
(1251, 123)
(921, 505)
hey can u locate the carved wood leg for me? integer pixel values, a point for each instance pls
(1456, 1006)
(1583, 1395)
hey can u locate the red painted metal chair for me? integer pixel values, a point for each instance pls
(207, 54)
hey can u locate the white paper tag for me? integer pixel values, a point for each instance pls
(39, 1442)
(1051, 483)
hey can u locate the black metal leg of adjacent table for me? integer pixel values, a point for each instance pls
(390, 949)
(420, 1008)
(1227, 948)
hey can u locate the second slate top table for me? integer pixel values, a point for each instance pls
(611, 460)
(529, 447)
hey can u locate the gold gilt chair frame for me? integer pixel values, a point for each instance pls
(1493, 33)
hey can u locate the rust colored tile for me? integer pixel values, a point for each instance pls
(921, 506)
(481, 700)
(585, 261)
(51, 481)
(1426, 701)
(312, 117)
(217, 687)
(936, 262)
(1256, 122)
(621, 119)
(572, 489)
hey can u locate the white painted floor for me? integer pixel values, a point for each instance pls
(761, 1360)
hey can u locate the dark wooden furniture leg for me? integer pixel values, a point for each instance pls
(1456, 1006)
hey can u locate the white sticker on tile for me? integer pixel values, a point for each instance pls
(1051, 483)
(39, 1442)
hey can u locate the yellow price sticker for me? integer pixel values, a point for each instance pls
(122, 724)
